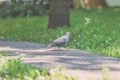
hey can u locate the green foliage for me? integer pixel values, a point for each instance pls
(44, 72)
(94, 30)
(58, 74)
(105, 72)
(21, 10)
(3, 54)
(15, 69)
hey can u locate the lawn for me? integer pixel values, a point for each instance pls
(97, 31)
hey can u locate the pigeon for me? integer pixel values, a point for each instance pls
(62, 41)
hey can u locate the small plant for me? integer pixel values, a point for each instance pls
(105, 72)
(57, 74)
(3, 54)
(15, 69)
(44, 72)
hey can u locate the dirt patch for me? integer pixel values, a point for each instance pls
(80, 63)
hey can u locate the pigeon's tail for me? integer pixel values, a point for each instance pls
(50, 45)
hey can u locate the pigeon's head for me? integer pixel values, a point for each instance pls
(68, 33)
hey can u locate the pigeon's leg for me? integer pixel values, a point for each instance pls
(65, 45)
(58, 47)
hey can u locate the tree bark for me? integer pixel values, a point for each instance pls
(34, 2)
(59, 13)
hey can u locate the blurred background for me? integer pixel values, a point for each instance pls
(14, 8)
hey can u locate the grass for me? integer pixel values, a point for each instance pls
(3, 54)
(97, 31)
(14, 69)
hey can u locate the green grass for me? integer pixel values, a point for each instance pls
(97, 31)
(14, 69)
(3, 54)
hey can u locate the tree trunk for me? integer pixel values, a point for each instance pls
(59, 13)
(91, 4)
(20, 1)
(34, 2)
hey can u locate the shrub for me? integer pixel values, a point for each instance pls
(2, 54)
(15, 69)
(21, 10)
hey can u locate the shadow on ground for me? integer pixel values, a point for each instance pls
(38, 55)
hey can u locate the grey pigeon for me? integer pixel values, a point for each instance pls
(62, 41)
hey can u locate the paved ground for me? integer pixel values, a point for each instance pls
(80, 63)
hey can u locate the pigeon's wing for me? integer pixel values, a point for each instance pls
(60, 41)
